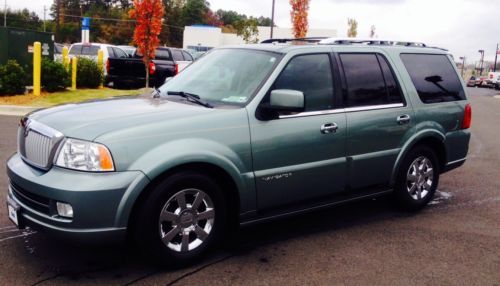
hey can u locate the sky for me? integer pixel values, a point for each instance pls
(461, 26)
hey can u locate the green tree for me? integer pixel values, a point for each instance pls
(23, 19)
(194, 12)
(247, 29)
(352, 30)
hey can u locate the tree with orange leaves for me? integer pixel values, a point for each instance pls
(148, 15)
(299, 13)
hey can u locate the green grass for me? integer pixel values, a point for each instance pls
(68, 96)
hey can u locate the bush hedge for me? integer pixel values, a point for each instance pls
(12, 78)
(88, 74)
(54, 76)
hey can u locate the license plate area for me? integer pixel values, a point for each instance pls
(14, 212)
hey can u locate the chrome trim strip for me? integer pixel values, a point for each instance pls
(373, 107)
(341, 110)
(313, 113)
(456, 161)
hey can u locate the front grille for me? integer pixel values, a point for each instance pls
(37, 148)
(37, 143)
(33, 201)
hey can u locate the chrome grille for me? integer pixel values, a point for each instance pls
(37, 143)
(37, 147)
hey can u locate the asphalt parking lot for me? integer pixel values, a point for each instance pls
(454, 241)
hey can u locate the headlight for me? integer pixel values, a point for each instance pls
(84, 156)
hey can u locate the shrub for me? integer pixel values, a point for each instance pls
(12, 78)
(54, 76)
(88, 73)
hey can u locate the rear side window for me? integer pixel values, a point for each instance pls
(162, 54)
(90, 50)
(76, 50)
(111, 54)
(119, 53)
(187, 56)
(369, 80)
(312, 75)
(177, 55)
(433, 77)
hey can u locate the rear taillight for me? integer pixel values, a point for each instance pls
(467, 117)
(176, 71)
(152, 68)
(107, 66)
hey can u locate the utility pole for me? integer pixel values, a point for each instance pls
(463, 65)
(5, 14)
(482, 62)
(57, 20)
(496, 54)
(272, 19)
(44, 17)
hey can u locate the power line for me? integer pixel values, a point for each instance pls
(115, 20)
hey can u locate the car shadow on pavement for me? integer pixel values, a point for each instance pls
(122, 264)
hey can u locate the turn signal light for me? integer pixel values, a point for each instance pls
(467, 117)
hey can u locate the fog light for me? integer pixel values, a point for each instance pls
(64, 210)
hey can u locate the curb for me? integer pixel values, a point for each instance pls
(16, 110)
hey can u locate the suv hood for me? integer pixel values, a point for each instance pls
(89, 120)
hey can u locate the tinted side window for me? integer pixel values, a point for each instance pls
(187, 56)
(119, 53)
(76, 50)
(312, 75)
(177, 55)
(393, 90)
(365, 81)
(90, 50)
(433, 77)
(162, 54)
(111, 54)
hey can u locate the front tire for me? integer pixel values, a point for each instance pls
(183, 217)
(418, 178)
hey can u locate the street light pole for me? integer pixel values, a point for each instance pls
(463, 65)
(482, 61)
(5, 14)
(496, 54)
(272, 19)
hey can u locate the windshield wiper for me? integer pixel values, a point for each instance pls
(191, 97)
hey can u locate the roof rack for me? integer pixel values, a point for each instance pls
(287, 40)
(371, 41)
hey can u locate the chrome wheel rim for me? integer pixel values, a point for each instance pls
(419, 178)
(186, 220)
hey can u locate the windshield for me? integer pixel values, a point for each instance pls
(225, 76)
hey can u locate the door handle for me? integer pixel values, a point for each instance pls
(403, 119)
(329, 128)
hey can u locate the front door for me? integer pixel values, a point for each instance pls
(301, 156)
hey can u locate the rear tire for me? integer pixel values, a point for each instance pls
(184, 216)
(417, 179)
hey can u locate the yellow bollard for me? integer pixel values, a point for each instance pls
(100, 58)
(65, 57)
(74, 62)
(37, 68)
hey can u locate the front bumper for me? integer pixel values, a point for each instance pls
(101, 202)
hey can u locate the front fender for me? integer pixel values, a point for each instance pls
(195, 150)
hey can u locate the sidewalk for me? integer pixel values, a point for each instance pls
(16, 110)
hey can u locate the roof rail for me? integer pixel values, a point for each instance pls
(371, 41)
(287, 40)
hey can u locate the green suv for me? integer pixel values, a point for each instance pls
(243, 135)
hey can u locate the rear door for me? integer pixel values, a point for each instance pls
(378, 118)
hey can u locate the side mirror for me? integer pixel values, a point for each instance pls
(286, 100)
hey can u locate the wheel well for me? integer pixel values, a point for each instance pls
(438, 147)
(215, 172)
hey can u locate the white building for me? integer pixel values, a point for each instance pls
(203, 38)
